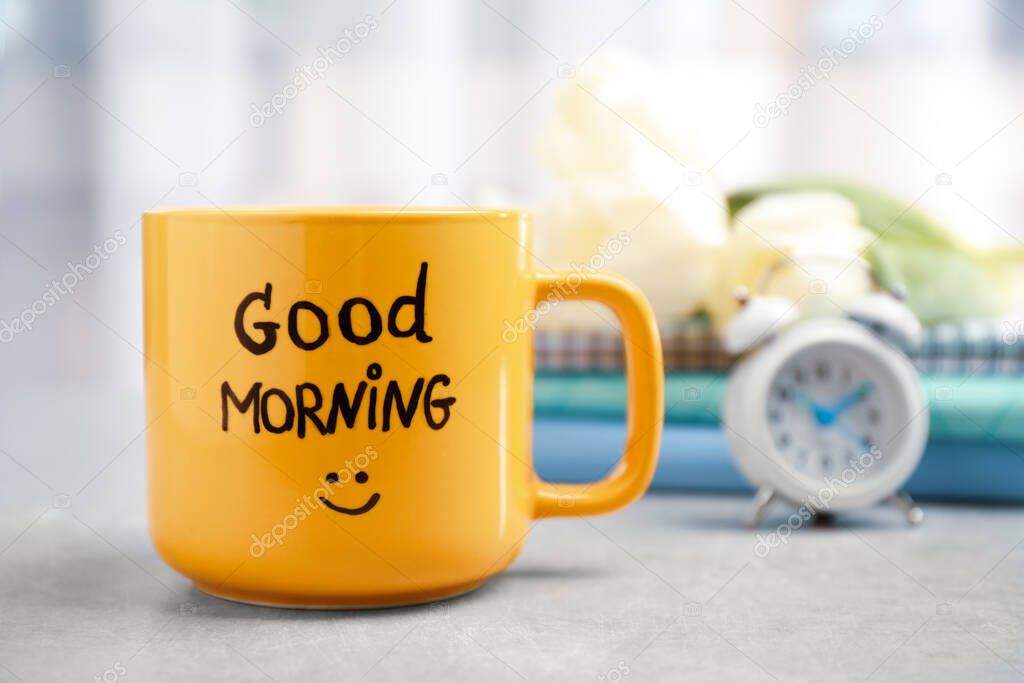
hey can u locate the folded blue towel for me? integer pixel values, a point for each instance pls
(697, 458)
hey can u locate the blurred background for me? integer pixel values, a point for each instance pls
(110, 108)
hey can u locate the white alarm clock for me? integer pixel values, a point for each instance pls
(827, 413)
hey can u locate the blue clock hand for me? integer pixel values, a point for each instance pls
(805, 400)
(851, 399)
(861, 441)
(823, 416)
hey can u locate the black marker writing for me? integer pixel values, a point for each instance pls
(370, 402)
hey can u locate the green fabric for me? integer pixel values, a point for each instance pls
(976, 408)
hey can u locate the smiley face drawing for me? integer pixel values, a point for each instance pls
(361, 478)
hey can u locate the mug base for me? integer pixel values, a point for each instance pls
(342, 602)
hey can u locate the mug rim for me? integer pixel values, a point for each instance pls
(340, 212)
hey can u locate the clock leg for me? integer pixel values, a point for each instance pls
(905, 503)
(762, 500)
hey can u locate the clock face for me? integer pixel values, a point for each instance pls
(835, 412)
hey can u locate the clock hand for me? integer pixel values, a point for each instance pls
(823, 416)
(805, 400)
(851, 399)
(861, 441)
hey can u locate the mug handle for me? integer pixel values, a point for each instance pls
(645, 403)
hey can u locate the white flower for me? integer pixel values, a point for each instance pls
(619, 149)
(819, 231)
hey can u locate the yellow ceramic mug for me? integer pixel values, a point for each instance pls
(339, 400)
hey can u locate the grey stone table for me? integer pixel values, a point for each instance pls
(672, 588)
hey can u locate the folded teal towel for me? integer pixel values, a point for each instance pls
(986, 408)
